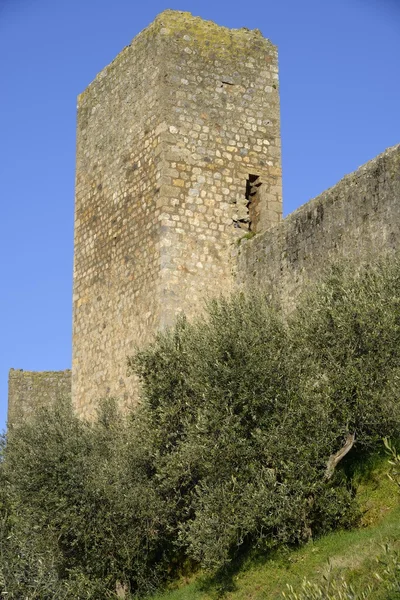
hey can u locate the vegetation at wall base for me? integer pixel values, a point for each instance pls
(344, 556)
(227, 457)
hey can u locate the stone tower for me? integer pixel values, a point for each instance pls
(178, 156)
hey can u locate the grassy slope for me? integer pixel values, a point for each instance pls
(351, 553)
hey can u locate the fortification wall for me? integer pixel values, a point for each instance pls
(29, 390)
(178, 153)
(178, 159)
(357, 219)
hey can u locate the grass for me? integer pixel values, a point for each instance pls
(349, 553)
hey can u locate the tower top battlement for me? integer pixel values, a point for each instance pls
(200, 36)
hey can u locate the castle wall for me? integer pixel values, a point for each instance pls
(178, 165)
(178, 155)
(357, 219)
(29, 390)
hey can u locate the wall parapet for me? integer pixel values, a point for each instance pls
(30, 390)
(357, 219)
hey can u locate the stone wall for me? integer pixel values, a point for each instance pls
(178, 155)
(358, 219)
(28, 390)
(178, 166)
(116, 254)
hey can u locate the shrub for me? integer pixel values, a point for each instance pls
(83, 512)
(245, 409)
(348, 340)
(241, 410)
(385, 582)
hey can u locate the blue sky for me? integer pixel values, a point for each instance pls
(340, 99)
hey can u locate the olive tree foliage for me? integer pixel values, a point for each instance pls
(236, 445)
(83, 517)
(348, 334)
(385, 576)
(246, 408)
(241, 410)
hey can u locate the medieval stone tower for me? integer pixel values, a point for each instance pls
(178, 160)
(178, 155)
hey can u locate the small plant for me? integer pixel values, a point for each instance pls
(394, 462)
(336, 589)
(247, 236)
(390, 576)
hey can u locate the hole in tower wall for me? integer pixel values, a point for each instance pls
(247, 209)
(253, 187)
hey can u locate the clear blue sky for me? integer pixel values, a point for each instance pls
(340, 95)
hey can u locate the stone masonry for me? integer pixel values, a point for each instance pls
(178, 155)
(178, 198)
(358, 220)
(28, 390)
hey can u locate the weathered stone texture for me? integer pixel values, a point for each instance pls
(29, 390)
(357, 219)
(178, 155)
(178, 161)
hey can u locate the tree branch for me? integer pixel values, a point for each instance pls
(334, 459)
